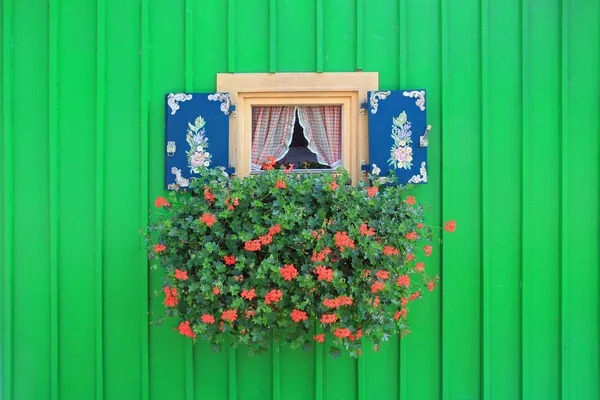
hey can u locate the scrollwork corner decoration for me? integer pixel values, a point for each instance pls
(419, 95)
(374, 99)
(422, 177)
(174, 98)
(223, 98)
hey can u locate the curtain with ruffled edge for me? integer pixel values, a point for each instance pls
(272, 132)
(323, 130)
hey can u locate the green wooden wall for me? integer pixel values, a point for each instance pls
(513, 97)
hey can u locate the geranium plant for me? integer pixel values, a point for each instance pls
(296, 255)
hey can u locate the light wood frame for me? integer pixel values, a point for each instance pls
(348, 89)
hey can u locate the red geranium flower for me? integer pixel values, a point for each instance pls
(414, 295)
(289, 169)
(342, 332)
(420, 266)
(208, 219)
(274, 230)
(372, 191)
(323, 273)
(390, 251)
(333, 185)
(208, 319)
(216, 290)
(377, 286)
(427, 250)
(288, 272)
(252, 245)
(181, 275)
(450, 226)
(229, 315)
(410, 257)
(248, 294)
(170, 296)
(430, 286)
(269, 164)
(186, 330)
(273, 296)
(280, 185)
(298, 315)
(420, 225)
(403, 280)
(342, 240)
(161, 202)
(319, 338)
(229, 260)
(328, 318)
(366, 231)
(410, 200)
(208, 195)
(159, 248)
(411, 235)
(382, 274)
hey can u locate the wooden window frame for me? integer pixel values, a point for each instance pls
(348, 89)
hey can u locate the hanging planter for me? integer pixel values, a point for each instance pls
(298, 255)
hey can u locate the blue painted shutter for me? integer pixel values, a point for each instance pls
(397, 120)
(196, 132)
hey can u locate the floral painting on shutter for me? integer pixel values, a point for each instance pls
(397, 123)
(196, 135)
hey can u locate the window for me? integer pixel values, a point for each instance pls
(358, 124)
(308, 137)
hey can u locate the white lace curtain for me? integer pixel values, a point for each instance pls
(273, 129)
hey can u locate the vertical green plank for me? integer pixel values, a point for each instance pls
(254, 375)
(565, 329)
(166, 75)
(53, 171)
(501, 180)
(298, 374)
(210, 369)
(382, 53)
(30, 191)
(382, 369)
(296, 34)
(319, 23)
(319, 358)
(339, 35)
(276, 368)
(232, 365)
(8, 194)
(403, 54)
(339, 375)
(420, 369)
(76, 190)
(272, 36)
(190, 46)
(144, 194)
(361, 384)
(485, 201)
(211, 57)
(231, 36)
(402, 79)
(252, 47)
(360, 34)
(124, 316)
(580, 218)
(540, 187)
(461, 199)
(100, 195)
(2, 206)
(381, 44)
